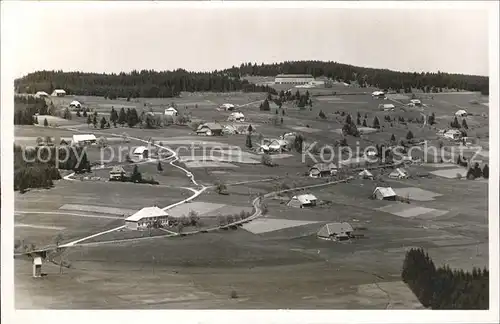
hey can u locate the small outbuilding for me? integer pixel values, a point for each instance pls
(37, 266)
(227, 107)
(75, 104)
(416, 102)
(461, 113)
(336, 232)
(365, 174)
(141, 152)
(117, 173)
(322, 170)
(171, 111)
(41, 94)
(209, 129)
(237, 117)
(398, 173)
(384, 193)
(386, 107)
(58, 93)
(300, 201)
(84, 139)
(146, 218)
(453, 134)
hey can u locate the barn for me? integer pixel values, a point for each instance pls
(146, 218)
(336, 231)
(141, 152)
(84, 139)
(171, 111)
(384, 193)
(58, 93)
(300, 201)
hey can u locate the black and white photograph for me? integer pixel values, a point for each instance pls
(250, 156)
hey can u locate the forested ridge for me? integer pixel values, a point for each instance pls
(149, 83)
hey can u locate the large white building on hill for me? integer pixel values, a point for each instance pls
(293, 79)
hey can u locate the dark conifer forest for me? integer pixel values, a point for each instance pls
(148, 83)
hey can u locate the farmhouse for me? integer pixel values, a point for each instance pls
(300, 201)
(293, 79)
(209, 129)
(322, 170)
(386, 107)
(58, 93)
(378, 94)
(416, 102)
(398, 173)
(365, 174)
(75, 104)
(116, 173)
(146, 218)
(336, 231)
(453, 134)
(171, 111)
(461, 113)
(384, 193)
(236, 116)
(229, 130)
(41, 94)
(84, 139)
(141, 152)
(227, 106)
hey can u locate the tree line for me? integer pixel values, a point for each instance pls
(144, 84)
(380, 78)
(25, 108)
(442, 287)
(37, 167)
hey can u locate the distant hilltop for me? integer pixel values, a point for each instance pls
(149, 83)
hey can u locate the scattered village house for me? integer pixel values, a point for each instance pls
(146, 218)
(378, 94)
(305, 200)
(322, 170)
(41, 94)
(58, 93)
(416, 102)
(365, 174)
(293, 79)
(116, 173)
(171, 111)
(336, 231)
(236, 116)
(209, 129)
(227, 107)
(386, 107)
(398, 173)
(75, 104)
(273, 146)
(461, 113)
(141, 152)
(453, 134)
(84, 139)
(384, 193)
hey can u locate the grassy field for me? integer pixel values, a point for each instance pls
(447, 216)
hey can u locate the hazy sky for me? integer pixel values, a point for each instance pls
(111, 39)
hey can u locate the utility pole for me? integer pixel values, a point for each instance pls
(153, 264)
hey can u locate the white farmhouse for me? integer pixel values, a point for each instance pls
(461, 113)
(300, 201)
(84, 139)
(236, 116)
(140, 152)
(171, 111)
(146, 218)
(58, 93)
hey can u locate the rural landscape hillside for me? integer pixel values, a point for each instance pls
(199, 190)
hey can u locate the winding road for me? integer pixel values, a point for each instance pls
(198, 190)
